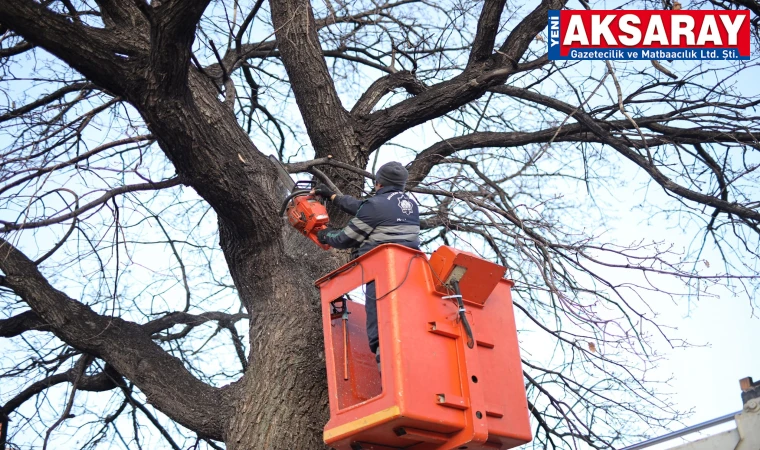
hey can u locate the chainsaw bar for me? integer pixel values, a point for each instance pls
(283, 176)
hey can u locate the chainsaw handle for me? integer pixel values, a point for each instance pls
(290, 197)
(299, 184)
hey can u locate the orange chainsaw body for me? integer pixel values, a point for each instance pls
(308, 216)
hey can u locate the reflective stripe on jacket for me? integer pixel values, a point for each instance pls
(391, 216)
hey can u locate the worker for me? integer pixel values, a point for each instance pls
(390, 216)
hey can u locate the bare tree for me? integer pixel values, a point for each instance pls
(142, 252)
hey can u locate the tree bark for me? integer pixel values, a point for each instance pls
(283, 395)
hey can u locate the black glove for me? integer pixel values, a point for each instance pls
(321, 234)
(323, 191)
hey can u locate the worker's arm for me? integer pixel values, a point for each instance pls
(347, 203)
(357, 230)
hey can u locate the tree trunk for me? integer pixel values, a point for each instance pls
(281, 402)
(283, 397)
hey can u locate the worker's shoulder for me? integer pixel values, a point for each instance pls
(391, 203)
(388, 196)
(377, 201)
(365, 204)
(378, 204)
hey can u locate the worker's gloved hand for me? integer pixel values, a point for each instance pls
(321, 234)
(323, 191)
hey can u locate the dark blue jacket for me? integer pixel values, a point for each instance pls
(391, 216)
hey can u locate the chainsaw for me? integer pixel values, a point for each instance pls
(304, 211)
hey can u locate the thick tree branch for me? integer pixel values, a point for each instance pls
(525, 32)
(26, 321)
(382, 125)
(172, 33)
(16, 49)
(93, 52)
(120, 15)
(30, 321)
(163, 378)
(313, 87)
(385, 85)
(488, 26)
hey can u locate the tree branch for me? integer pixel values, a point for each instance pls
(172, 33)
(120, 15)
(328, 161)
(246, 23)
(102, 381)
(91, 51)
(30, 321)
(178, 318)
(16, 49)
(431, 156)
(312, 85)
(525, 32)
(44, 100)
(26, 321)
(439, 99)
(385, 85)
(72, 161)
(136, 404)
(163, 378)
(488, 26)
(8, 226)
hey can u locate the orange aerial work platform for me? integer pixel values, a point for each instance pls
(441, 387)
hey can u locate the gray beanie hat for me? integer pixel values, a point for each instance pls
(392, 174)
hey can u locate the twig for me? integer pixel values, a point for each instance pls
(81, 367)
(662, 69)
(619, 90)
(225, 75)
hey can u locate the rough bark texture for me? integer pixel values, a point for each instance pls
(283, 398)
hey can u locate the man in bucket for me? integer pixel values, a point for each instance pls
(389, 217)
